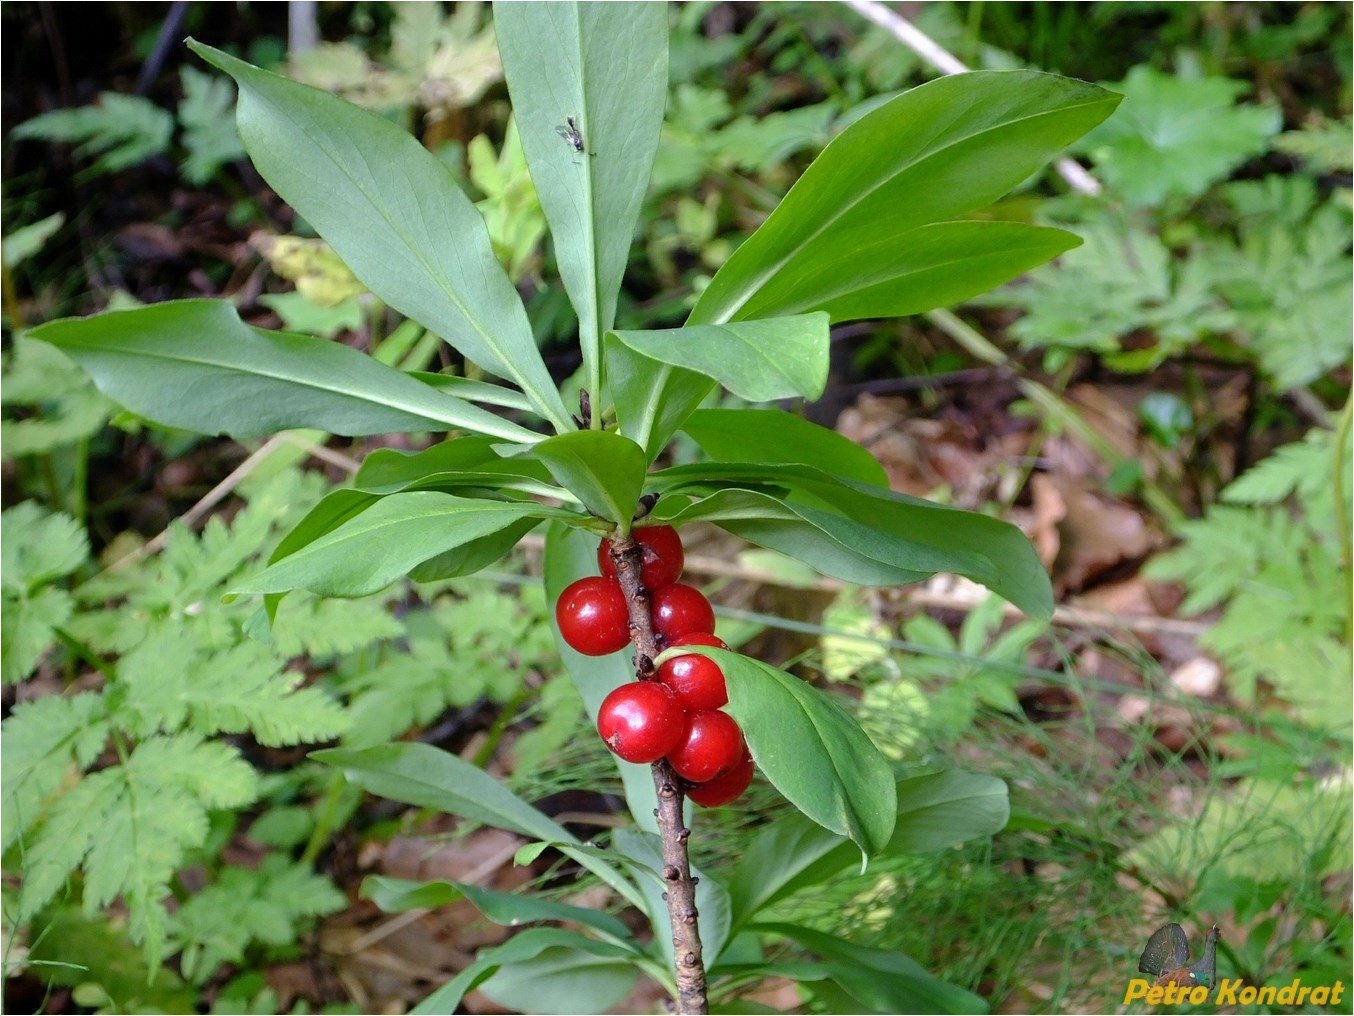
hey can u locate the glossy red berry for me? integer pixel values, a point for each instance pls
(592, 617)
(640, 721)
(697, 681)
(711, 744)
(726, 787)
(663, 556)
(679, 610)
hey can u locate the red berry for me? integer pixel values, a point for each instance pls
(711, 744)
(663, 556)
(679, 610)
(640, 721)
(724, 788)
(700, 638)
(696, 680)
(592, 617)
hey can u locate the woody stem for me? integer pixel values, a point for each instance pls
(628, 557)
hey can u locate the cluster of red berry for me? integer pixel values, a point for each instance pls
(678, 714)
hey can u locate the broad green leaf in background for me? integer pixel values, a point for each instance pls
(427, 777)
(882, 981)
(936, 152)
(521, 948)
(775, 358)
(773, 435)
(811, 750)
(564, 979)
(571, 554)
(399, 221)
(936, 810)
(394, 895)
(601, 469)
(332, 510)
(605, 66)
(1174, 136)
(374, 548)
(194, 364)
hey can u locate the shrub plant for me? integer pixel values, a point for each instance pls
(882, 224)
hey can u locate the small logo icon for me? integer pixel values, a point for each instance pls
(1167, 958)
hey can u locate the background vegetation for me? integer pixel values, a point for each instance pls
(1165, 410)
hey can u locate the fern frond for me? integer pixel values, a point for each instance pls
(42, 740)
(129, 827)
(126, 129)
(38, 546)
(171, 685)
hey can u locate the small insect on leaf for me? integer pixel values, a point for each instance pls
(571, 134)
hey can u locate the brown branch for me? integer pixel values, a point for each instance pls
(628, 557)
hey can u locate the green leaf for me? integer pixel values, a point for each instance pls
(883, 981)
(827, 542)
(31, 623)
(427, 777)
(522, 947)
(894, 530)
(194, 364)
(644, 851)
(394, 895)
(474, 391)
(334, 509)
(893, 275)
(775, 358)
(373, 549)
(449, 465)
(811, 750)
(936, 809)
(564, 979)
(773, 435)
(399, 222)
(651, 398)
(1175, 136)
(605, 66)
(936, 152)
(604, 471)
(571, 554)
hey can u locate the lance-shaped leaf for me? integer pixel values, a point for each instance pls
(428, 777)
(885, 274)
(602, 470)
(895, 530)
(194, 364)
(396, 217)
(811, 750)
(450, 465)
(374, 548)
(773, 435)
(934, 153)
(651, 398)
(774, 358)
(601, 67)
